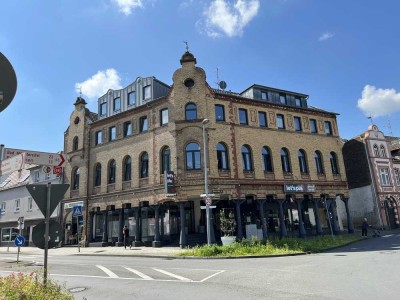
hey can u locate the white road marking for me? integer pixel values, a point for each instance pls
(388, 235)
(107, 271)
(144, 276)
(172, 275)
(212, 276)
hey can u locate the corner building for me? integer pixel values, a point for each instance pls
(272, 159)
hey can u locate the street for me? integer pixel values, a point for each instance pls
(364, 270)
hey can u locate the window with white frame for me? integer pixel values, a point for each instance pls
(30, 204)
(3, 207)
(37, 176)
(397, 175)
(385, 177)
(17, 204)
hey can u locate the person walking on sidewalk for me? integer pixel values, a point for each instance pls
(125, 232)
(364, 227)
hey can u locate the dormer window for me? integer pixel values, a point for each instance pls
(103, 109)
(117, 104)
(282, 98)
(264, 96)
(297, 101)
(147, 92)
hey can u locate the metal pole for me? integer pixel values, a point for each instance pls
(329, 217)
(77, 226)
(46, 233)
(205, 121)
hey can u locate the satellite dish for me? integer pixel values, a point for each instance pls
(8, 82)
(222, 85)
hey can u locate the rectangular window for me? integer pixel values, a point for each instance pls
(132, 98)
(297, 123)
(103, 109)
(264, 96)
(30, 204)
(164, 116)
(385, 177)
(17, 204)
(219, 113)
(262, 119)
(112, 134)
(397, 174)
(147, 92)
(297, 101)
(99, 137)
(127, 129)
(328, 128)
(36, 176)
(282, 98)
(313, 126)
(243, 116)
(143, 124)
(3, 207)
(280, 121)
(117, 104)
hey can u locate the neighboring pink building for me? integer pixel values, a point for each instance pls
(373, 174)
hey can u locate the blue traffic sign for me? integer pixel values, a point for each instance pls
(77, 211)
(19, 241)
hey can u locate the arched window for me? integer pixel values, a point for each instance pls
(222, 157)
(193, 157)
(127, 169)
(111, 171)
(318, 162)
(302, 161)
(97, 175)
(334, 163)
(383, 151)
(285, 161)
(165, 160)
(376, 150)
(190, 112)
(75, 144)
(247, 160)
(266, 159)
(75, 179)
(144, 165)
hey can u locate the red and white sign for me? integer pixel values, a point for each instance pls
(57, 170)
(38, 158)
(208, 201)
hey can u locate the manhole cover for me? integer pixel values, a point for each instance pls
(77, 289)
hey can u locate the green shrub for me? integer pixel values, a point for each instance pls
(18, 286)
(273, 246)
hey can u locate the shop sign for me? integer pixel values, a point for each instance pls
(72, 204)
(170, 178)
(299, 188)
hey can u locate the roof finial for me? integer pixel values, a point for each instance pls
(80, 92)
(187, 46)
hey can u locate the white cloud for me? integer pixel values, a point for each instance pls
(99, 83)
(326, 36)
(126, 6)
(224, 17)
(378, 102)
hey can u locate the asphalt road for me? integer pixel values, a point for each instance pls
(364, 270)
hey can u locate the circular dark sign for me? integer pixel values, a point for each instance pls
(8, 82)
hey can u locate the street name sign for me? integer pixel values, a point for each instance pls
(204, 207)
(39, 194)
(38, 233)
(19, 241)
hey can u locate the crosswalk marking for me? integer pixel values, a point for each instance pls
(107, 271)
(172, 275)
(144, 276)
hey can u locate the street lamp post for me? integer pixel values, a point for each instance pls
(204, 123)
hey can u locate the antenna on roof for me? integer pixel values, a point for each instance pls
(221, 84)
(187, 46)
(80, 92)
(389, 126)
(370, 117)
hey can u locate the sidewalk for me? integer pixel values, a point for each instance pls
(97, 251)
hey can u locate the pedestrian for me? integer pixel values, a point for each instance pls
(364, 227)
(125, 232)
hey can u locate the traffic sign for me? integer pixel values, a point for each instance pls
(57, 170)
(39, 194)
(217, 191)
(77, 211)
(54, 234)
(21, 223)
(208, 201)
(19, 241)
(8, 82)
(38, 158)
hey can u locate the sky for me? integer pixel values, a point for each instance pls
(343, 54)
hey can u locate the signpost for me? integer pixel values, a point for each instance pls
(77, 212)
(38, 158)
(47, 198)
(19, 242)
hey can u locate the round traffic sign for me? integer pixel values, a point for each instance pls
(19, 241)
(208, 201)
